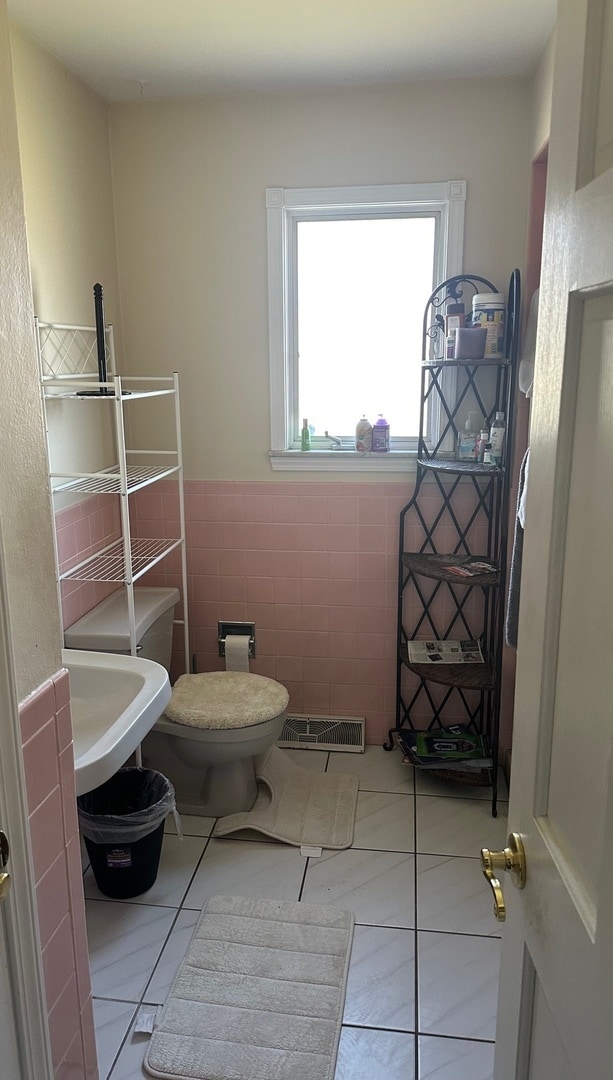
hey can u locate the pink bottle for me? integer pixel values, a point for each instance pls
(381, 435)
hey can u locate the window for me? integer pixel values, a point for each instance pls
(350, 270)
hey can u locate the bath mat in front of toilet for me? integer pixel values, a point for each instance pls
(298, 806)
(260, 993)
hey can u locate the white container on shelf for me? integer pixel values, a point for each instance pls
(489, 312)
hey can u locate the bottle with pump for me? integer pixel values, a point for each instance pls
(305, 436)
(363, 435)
(467, 439)
(381, 435)
(497, 434)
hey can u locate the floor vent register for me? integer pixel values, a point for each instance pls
(323, 733)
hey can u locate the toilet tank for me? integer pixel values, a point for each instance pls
(106, 627)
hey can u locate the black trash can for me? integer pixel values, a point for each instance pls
(122, 822)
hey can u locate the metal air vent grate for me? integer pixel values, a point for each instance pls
(323, 733)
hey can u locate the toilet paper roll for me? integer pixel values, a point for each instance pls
(237, 652)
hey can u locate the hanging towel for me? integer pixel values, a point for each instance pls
(512, 614)
(526, 360)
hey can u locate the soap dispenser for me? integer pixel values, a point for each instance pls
(467, 439)
(381, 435)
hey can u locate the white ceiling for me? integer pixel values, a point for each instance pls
(126, 49)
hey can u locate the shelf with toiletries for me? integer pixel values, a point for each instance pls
(453, 530)
(88, 414)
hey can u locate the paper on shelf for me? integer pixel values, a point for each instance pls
(445, 652)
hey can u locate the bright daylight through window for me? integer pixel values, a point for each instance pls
(362, 287)
(350, 271)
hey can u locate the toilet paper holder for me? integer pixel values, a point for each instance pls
(245, 629)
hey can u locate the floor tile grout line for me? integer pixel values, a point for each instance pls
(415, 938)
(350, 1024)
(455, 1038)
(122, 1043)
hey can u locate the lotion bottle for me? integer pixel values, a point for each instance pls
(363, 435)
(381, 435)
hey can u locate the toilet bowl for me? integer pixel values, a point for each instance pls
(216, 723)
(215, 726)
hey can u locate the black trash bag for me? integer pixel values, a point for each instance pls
(122, 822)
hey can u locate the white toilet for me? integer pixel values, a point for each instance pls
(216, 722)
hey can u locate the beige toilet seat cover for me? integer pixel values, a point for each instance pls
(225, 699)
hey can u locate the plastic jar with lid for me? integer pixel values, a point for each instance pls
(489, 312)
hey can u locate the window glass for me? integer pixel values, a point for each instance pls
(362, 285)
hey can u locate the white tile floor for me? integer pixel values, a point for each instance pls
(421, 995)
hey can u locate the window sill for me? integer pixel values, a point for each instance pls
(342, 461)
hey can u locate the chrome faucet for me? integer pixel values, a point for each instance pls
(336, 443)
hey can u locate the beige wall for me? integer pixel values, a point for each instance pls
(190, 180)
(64, 144)
(24, 506)
(541, 100)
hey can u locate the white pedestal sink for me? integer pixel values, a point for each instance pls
(115, 700)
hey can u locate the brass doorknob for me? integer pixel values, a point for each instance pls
(511, 859)
(5, 885)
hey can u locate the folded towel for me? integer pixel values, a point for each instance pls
(512, 613)
(523, 489)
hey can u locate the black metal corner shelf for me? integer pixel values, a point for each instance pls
(456, 520)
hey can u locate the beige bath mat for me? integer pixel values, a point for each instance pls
(298, 806)
(259, 994)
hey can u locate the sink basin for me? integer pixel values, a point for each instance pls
(115, 700)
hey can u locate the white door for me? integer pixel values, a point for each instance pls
(9, 1050)
(555, 1014)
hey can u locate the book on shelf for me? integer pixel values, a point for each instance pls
(454, 747)
(444, 652)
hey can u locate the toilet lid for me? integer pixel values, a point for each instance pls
(226, 699)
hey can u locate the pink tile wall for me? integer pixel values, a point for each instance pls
(81, 530)
(48, 762)
(314, 565)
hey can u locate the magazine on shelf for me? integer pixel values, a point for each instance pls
(454, 747)
(471, 568)
(444, 652)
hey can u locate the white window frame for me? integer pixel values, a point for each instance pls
(285, 208)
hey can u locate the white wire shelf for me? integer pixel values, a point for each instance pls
(109, 564)
(70, 370)
(77, 391)
(108, 481)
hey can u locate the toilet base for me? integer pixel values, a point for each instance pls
(213, 792)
